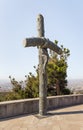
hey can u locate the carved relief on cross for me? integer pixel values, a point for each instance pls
(42, 43)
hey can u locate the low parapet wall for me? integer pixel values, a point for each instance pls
(28, 106)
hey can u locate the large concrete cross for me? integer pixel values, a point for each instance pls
(42, 43)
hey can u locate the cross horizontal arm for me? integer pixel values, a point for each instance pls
(42, 42)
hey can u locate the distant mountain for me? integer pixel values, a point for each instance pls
(5, 85)
(73, 84)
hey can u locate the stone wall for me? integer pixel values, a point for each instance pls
(28, 106)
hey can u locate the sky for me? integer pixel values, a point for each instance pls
(63, 21)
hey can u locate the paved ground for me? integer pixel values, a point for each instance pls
(70, 118)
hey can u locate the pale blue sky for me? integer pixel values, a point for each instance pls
(63, 22)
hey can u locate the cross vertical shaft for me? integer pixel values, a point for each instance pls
(42, 43)
(43, 60)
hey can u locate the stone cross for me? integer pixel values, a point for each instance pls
(43, 44)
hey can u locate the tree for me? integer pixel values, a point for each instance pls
(32, 86)
(18, 91)
(57, 71)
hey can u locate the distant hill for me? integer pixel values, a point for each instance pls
(5, 85)
(73, 84)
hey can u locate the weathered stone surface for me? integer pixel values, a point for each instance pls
(42, 42)
(28, 106)
(43, 60)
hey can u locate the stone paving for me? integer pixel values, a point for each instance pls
(70, 118)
